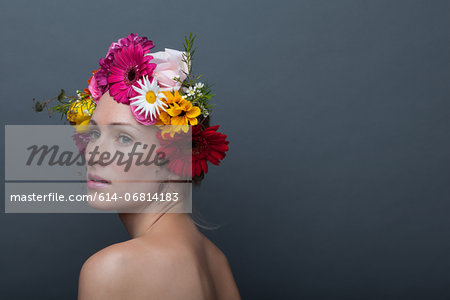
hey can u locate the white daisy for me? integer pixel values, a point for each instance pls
(149, 99)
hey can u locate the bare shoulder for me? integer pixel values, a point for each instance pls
(224, 281)
(163, 268)
(128, 270)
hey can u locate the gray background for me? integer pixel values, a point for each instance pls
(337, 182)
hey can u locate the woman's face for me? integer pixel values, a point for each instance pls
(114, 130)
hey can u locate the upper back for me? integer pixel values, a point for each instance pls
(181, 265)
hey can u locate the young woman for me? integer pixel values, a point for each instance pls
(166, 257)
(138, 99)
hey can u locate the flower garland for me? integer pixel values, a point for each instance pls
(160, 89)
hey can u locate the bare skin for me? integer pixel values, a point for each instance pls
(167, 257)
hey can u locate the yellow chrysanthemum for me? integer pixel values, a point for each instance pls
(80, 113)
(179, 114)
(181, 111)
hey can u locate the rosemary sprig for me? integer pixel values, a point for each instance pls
(198, 93)
(64, 103)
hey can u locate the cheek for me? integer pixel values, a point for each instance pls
(135, 177)
(118, 165)
(138, 179)
(141, 173)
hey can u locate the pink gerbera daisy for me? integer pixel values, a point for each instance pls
(105, 63)
(128, 66)
(127, 41)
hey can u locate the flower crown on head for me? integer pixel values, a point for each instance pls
(160, 89)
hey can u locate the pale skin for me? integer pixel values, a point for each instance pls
(167, 257)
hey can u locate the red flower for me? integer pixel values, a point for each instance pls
(207, 145)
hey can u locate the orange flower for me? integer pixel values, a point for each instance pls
(179, 115)
(180, 111)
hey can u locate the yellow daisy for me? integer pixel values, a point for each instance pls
(181, 111)
(179, 114)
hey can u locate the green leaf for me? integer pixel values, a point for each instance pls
(38, 106)
(61, 95)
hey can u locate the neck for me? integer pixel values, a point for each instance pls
(138, 224)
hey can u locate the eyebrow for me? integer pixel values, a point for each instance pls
(121, 123)
(114, 123)
(129, 125)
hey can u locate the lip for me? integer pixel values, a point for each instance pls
(97, 182)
